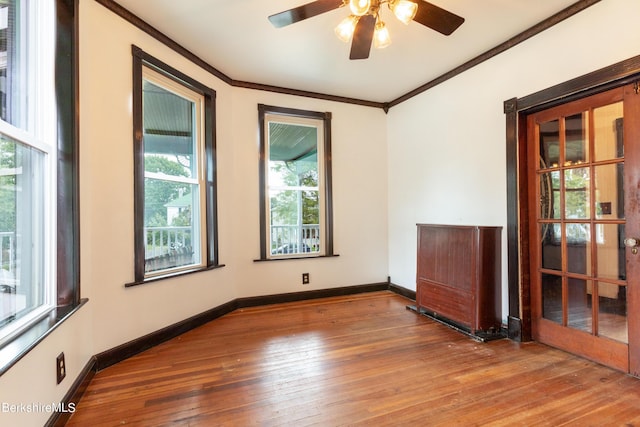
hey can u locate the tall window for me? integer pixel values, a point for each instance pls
(37, 122)
(174, 167)
(295, 174)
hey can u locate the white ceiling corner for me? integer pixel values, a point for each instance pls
(235, 37)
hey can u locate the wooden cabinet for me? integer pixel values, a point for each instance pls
(458, 276)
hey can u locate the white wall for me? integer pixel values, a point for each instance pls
(446, 147)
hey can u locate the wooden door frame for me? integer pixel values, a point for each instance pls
(516, 111)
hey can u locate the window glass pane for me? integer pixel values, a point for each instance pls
(12, 63)
(22, 228)
(294, 194)
(171, 240)
(169, 132)
(288, 233)
(172, 207)
(160, 193)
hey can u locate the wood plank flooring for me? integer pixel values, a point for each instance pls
(352, 360)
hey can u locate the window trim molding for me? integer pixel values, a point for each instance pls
(67, 286)
(141, 59)
(68, 156)
(263, 110)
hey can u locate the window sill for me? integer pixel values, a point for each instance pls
(172, 275)
(18, 347)
(295, 257)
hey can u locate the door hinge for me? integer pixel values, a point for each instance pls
(636, 87)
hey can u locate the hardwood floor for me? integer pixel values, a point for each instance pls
(352, 360)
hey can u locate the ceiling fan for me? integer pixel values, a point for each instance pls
(364, 26)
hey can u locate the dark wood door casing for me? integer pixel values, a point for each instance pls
(516, 111)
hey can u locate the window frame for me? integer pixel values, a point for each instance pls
(197, 100)
(65, 283)
(209, 234)
(324, 172)
(30, 125)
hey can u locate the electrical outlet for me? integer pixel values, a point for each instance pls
(305, 278)
(61, 368)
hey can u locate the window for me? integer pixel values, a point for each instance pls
(174, 172)
(39, 274)
(295, 183)
(27, 150)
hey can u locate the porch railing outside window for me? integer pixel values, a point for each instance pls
(7, 252)
(291, 239)
(168, 247)
(7, 275)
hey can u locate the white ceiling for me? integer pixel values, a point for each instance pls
(235, 37)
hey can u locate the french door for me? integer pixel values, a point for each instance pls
(584, 230)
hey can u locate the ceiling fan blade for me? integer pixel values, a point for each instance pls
(305, 11)
(362, 37)
(437, 18)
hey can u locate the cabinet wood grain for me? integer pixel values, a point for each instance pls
(459, 276)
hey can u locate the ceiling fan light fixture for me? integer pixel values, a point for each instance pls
(346, 28)
(363, 27)
(381, 36)
(405, 10)
(359, 7)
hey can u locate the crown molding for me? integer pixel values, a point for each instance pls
(133, 19)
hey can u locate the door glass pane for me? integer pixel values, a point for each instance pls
(610, 251)
(551, 246)
(550, 144)
(608, 132)
(577, 184)
(578, 248)
(579, 305)
(552, 297)
(608, 180)
(576, 139)
(550, 195)
(612, 313)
